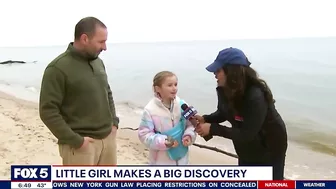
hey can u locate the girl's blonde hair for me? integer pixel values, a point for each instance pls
(159, 78)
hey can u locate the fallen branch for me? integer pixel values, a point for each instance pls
(198, 145)
(129, 128)
(216, 150)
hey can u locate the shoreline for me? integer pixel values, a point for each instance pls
(318, 140)
(26, 140)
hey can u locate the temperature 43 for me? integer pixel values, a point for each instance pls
(41, 185)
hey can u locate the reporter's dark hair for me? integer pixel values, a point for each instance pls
(238, 78)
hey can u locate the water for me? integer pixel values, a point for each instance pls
(300, 72)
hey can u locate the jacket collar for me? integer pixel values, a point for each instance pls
(78, 54)
(159, 103)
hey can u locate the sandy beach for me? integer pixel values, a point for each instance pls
(25, 140)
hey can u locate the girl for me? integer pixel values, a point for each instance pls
(163, 129)
(258, 132)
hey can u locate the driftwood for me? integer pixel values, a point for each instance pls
(198, 145)
(129, 128)
(216, 150)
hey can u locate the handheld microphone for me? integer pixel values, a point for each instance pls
(188, 113)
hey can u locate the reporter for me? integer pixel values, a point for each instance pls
(258, 132)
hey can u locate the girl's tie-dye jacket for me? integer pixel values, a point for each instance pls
(157, 118)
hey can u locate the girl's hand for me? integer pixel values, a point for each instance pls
(171, 143)
(186, 140)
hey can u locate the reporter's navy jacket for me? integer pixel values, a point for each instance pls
(258, 132)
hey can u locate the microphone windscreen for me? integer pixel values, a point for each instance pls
(184, 107)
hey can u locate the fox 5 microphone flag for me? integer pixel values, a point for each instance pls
(189, 112)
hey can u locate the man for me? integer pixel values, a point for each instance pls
(76, 101)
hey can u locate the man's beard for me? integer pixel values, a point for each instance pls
(92, 56)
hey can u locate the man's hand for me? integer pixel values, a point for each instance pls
(203, 129)
(186, 140)
(86, 142)
(114, 130)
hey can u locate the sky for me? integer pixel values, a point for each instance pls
(52, 22)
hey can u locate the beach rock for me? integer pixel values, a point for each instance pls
(15, 62)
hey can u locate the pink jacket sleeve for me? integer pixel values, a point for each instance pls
(190, 130)
(147, 134)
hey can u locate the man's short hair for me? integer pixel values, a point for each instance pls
(87, 26)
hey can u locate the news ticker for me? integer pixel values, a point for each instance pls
(288, 184)
(150, 177)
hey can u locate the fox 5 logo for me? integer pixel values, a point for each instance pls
(191, 111)
(27, 173)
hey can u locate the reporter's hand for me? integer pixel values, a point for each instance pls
(200, 119)
(203, 129)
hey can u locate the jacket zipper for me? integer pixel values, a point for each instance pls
(172, 117)
(171, 111)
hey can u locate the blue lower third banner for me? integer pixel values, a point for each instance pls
(135, 184)
(168, 184)
(155, 184)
